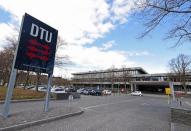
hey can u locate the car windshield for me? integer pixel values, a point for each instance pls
(59, 89)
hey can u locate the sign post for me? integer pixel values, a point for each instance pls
(9, 93)
(12, 79)
(46, 105)
(35, 52)
(168, 92)
(172, 90)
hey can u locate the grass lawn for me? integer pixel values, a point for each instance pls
(19, 94)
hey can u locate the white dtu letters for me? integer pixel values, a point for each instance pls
(48, 39)
(34, 30)
(41, 32)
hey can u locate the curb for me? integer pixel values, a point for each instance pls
(25, 100)
(29, 124)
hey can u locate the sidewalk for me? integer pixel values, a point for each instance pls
(184, 103)
(181, 113)
(156, 95)
(32, 116)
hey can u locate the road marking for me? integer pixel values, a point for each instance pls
(145, 104)
(188, 103)
(89, 107)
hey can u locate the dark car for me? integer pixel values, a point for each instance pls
(70, 90)
(87, 91)
(92, 92)
(96, 92)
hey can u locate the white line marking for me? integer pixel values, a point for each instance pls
(145, 104)
(89, 107)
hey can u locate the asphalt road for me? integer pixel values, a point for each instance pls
(110, 113)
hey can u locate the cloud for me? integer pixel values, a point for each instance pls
(95, 58)
(121, 9)
(136, 53)
(79, 22)
(6, 30)
(108, 45)
(153, 69)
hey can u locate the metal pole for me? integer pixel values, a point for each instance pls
(118, 88)
(112, 89)
(12, 79)
(131, 87)
(46, 105)
(172, 90)
(125, 88)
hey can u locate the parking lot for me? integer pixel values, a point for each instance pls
(109, 113)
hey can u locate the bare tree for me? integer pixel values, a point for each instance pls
(126, 76)
(27, 79)
(61, 60)
(6, 56)
(180, 67)
(175, 13)
(38, 76)
(112, 77)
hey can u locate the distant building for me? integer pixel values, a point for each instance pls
(130, 79)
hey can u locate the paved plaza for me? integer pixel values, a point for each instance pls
(109, 113)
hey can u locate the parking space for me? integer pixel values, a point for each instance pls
(108, 113)
(114, 113)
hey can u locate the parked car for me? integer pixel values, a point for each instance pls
(70, 89)
(31, 87)
(96, 92)
(80, 91)
(136, 93)
(20, 85)
(42, 88)
(86, 91)
(106, 92)
(92, 92)
(58, 90)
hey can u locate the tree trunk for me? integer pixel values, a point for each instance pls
(185, 89)
(27, 80)
(38, 80)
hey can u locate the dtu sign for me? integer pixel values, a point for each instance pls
(35, 52)
(37, 46)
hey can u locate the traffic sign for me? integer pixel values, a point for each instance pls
(167, 91)
(35, 52)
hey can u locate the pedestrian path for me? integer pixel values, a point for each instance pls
(34, 114)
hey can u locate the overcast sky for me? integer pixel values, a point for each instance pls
(99, 33)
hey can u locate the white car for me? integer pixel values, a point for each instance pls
(42, 88)
(106, 92)
(136, 93)
(58, 90)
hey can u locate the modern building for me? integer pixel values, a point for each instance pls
(129, 79)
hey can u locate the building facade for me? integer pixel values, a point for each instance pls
(128, 79)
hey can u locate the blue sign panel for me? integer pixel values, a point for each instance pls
(37, 46)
